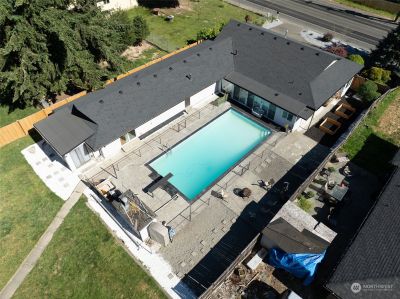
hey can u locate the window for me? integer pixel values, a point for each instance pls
(128, 137)
(287, 115)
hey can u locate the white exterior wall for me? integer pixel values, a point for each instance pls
(204, 96)
(278, 119)
(346, 87)
(111, 149)
(117, 4)
(68, 160)
(160, 119)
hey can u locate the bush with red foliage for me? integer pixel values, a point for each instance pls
(338, 50)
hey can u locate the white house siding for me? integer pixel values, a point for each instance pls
(160, 119)
(203, 97)
(117, 4)
(68, 160)
(111, 149)
(346, 87)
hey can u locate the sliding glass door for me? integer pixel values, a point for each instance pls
(80, 155)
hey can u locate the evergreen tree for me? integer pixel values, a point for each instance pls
(387, 53)
(48, 46)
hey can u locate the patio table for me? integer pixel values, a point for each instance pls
(337, 177)
(338, 192)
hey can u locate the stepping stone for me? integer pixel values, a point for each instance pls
(45, 159)
(49, 177)
(38, 162)
(233, 220)
(224, 229)
(61, 179)
(214, 230)
(203, 242)
(194, 253)
(268, 161)
(191, 262)
(263, 164)
(223, 221)
(66, 185)
(56, 172)
(202, 250)
(180, 274)
(50, 165)
(183, 264)
(170, 275)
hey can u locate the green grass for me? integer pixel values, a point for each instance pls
(7, 117)
(366, 8)
(84, 261)
(369, 146)
(26, 208)
(203, 14)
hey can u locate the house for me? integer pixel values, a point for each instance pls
(370, 267)
(270, 76)
(117, 4)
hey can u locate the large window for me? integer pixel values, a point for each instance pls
(287, 115)
(80, 155)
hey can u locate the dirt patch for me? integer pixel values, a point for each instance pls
(389, 123)
(184, 6)
(132, 53)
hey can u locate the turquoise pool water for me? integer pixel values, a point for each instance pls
(200, 159)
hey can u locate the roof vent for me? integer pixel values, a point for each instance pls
(250, 29)
(291, 82)
(275, 38)
(120, 92)
(317, 54)
(210, 48)
(277, 94)
(234, 52)
(238, 24)
(138, 83)
(302, 48)
(288, 43)
(184, 61)
(101, 102)
(262, 33)
(300, 93)
(170, 68)
(155, 75)
(189, 76)
(198, 54)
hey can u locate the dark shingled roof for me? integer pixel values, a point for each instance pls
(290, 240)
(290, 75)
(373, 256)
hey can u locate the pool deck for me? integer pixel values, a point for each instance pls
(209, 221)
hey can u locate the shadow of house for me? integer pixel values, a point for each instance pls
(252, 220)
(375, 155)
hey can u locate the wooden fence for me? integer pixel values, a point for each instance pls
(21, 128)
(245, 252)
(381, 4)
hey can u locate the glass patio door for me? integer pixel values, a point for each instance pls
(80, 155)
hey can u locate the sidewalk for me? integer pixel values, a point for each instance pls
(32, 258)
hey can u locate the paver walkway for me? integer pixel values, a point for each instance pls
(32, 258)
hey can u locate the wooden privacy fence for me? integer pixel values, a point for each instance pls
(21, 128)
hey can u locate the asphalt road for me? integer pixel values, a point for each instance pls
(355, 24)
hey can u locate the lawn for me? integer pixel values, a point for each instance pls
(366, 8)
(84, 261)
(7, 117)
(27, 207)
(375, 141)
(191, 17)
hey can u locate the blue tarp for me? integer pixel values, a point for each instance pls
(301, 265)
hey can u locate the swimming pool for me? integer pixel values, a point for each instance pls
(203, 157)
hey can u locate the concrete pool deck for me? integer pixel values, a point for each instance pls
(205, 225)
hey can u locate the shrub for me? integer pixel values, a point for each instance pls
(247, 18)
(309, 194)
(356, 58)
(209, 33)
(369, 91)
(140, 29)
(378, 74)
(331, 169)
(338, 50)
(304, 204)
(327, 37)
